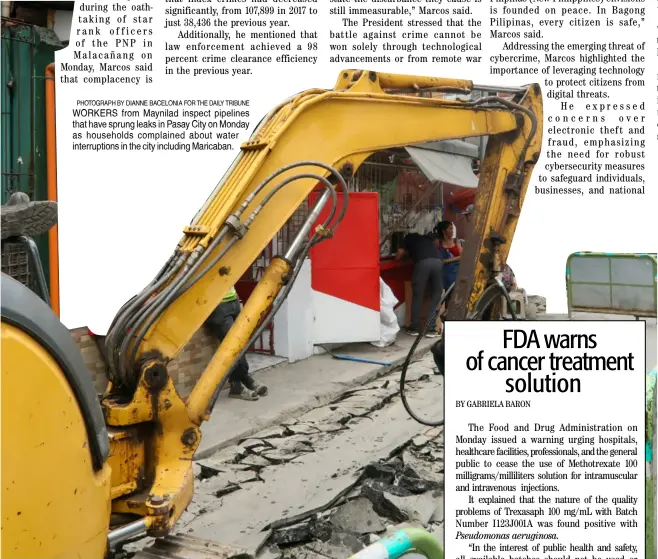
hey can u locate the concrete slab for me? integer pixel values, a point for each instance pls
(318, 478)
(358, 517)
(296, 388)
(262, 362)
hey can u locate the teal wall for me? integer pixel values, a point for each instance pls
(26, 51)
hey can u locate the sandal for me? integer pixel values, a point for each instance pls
(244, 394)
(252, 384)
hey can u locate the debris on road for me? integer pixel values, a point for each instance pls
(536, 306)
(330, 482)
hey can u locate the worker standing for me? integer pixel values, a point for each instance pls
(450, 251)
(243, 385)
(428, 273)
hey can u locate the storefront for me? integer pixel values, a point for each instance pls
(336, 298)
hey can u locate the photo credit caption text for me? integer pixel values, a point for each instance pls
(545, 440)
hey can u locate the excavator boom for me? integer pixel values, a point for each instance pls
(315, 140)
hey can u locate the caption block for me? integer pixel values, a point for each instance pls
(544, 440)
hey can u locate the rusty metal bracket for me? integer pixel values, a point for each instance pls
(514, 184)
(167, 464)
(496, 241)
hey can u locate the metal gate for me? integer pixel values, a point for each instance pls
(26, 51)
(601, 282)
(372, 176)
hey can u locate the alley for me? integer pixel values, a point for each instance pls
(328, 482)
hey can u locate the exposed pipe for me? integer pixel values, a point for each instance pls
(51, 165)
(126, 532)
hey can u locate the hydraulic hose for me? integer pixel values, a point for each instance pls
(125, 315)
(516, 107)
(281, 297)
(253, 215)
(139, 314)
(127, 308)
(228, 172)
(147, 317)
(182, 286)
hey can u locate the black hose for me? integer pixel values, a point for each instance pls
(283, 294)
(517, 107)
(127, 316)
(403, 373)
(486, 300)
(214, 261)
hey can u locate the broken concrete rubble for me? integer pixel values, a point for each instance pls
(406, 489)
(256, 461)
(415, 507)
(327, 483)
(303, 429)
(428, 470)
(273, 433)
(536, 306)
(339, 545)
(357, 517)
(280, 456)
(218, 484)
(294, 443)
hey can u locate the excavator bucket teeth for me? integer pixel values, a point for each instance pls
(186, 547)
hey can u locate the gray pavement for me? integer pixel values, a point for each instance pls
(295, 388)
(325, 484)
(321, 466)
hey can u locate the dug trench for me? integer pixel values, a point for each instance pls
(328, 483)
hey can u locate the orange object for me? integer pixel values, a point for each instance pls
(51, 175)
(462, 198)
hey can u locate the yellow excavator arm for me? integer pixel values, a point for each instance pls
(316, 139)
